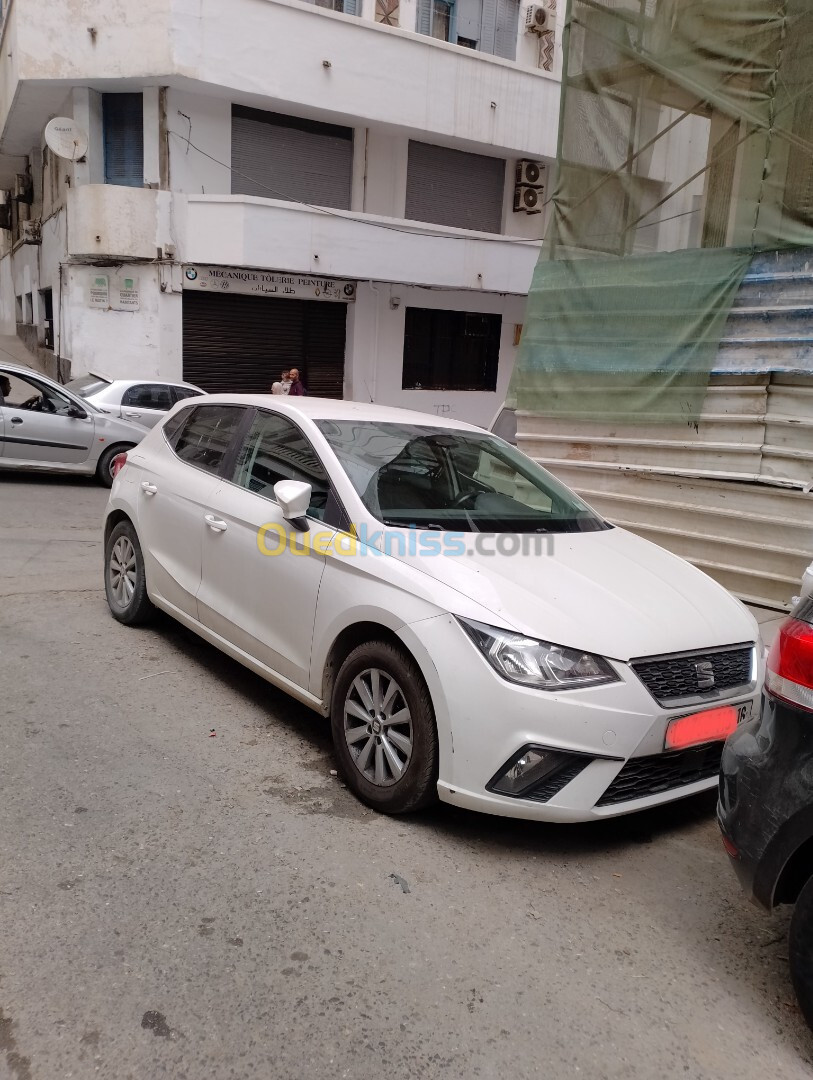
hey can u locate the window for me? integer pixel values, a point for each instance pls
(412, 476)
(348, 7)
(275, 449)
(35, 397)
(452, 187)
(47, 315)
(182, 392)
(387, 12)
(205, 437)
(283, 157)
(450, 350)
(491, 26)
(148, 396)
(441, 20)
(123, 125)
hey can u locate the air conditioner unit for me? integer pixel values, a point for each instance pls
(528, 200)
(23, 188)
(537, 19)
(531, 173)
(30, 232)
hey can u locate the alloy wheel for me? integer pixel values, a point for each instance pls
(378, 727)
(123, 570)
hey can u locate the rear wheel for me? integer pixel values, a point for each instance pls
(125, 583)
(384, 729)
(801, 951)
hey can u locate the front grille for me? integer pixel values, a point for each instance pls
(654, 775)
(682, 679)
(552, 785)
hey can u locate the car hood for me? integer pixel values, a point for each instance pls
(607, 592)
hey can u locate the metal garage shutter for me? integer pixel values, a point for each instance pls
(283, 157)
(451, 187)
(240, 344)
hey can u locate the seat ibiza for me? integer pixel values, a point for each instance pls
(473, 629)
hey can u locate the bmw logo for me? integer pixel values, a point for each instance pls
(191, 274)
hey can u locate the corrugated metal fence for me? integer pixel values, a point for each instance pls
(731, 494)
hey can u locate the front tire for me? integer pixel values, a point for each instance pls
(384, 730)
(800, 951)
(125, 583)
(104, 466)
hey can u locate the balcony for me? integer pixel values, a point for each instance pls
(266, 234)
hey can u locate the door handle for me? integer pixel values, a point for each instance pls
(16, 419)
(132, 415)
(148, 488)
(215, 524)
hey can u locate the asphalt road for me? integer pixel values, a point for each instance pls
(179, 905)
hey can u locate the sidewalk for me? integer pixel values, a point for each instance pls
(13, 351)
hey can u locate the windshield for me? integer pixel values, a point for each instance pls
(436, 478)
(87, 386)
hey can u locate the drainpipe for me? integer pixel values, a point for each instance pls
(377, 295)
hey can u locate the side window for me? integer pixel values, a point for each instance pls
(181, 393)
(32, 396)
(275, 449)
(148, 396)
(174, 425)
(205, 438)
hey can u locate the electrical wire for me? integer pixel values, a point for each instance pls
(349, 217)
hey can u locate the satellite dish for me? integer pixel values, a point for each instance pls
(65, 138)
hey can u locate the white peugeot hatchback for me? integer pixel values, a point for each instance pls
(473, 629)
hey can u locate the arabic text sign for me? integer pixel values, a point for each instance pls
(223, 279)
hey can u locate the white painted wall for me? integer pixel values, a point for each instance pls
(264, 233)
(121, 343)
(376, 342)
(196, 120)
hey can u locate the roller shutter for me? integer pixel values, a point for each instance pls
(240, 344)
(451, 187)
(283, 157)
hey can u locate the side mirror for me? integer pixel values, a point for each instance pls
(293, 497)
(77, 413)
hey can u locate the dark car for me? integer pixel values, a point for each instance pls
(766, 794)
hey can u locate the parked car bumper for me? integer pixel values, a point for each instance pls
(764, 806)
(609, 739)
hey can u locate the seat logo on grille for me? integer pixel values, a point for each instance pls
(705, 675)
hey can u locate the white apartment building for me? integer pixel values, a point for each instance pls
(272, 183)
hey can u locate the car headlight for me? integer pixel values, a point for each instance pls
(539, 664)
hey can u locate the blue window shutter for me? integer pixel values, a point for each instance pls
(505, 40)
(349, 7)
(123, 125)
(489, 26)
(469, 19)
(425, 17)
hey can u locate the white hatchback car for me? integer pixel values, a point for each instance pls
(473, 629)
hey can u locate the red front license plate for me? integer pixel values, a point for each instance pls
(711, 725)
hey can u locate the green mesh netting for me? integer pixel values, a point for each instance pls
(685, 128)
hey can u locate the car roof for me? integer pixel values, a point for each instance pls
(316, 408)
(145, 381)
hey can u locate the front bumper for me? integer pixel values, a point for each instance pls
(616, 730)
(766, 795)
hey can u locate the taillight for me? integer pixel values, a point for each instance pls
(789, 672)
(118, 463)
